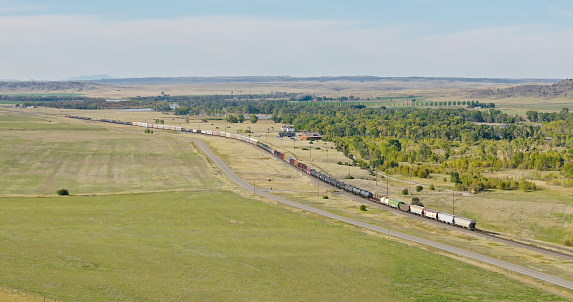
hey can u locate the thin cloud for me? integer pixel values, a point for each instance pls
(561, 12)
(52, 47)
(7, 8)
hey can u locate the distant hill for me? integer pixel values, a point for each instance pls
(560, 89)
(91, 77)
(265, 79)
(45, 86)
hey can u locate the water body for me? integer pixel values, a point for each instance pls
(136, 109)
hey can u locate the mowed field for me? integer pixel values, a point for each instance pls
(219, 246)
(204, 243)
(40, 156)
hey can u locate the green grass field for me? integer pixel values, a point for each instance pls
(218, 246)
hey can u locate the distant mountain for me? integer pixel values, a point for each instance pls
(266, 79)
(91, 77)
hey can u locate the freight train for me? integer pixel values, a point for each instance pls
(390, 202)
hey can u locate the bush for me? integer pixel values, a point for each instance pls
(432, 187)
(63, 192)
(405, 192)
(416, 201)
(419, 188)
(349, 177)
(324, 196)
(363, 208)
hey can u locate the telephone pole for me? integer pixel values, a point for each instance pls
(453, 202)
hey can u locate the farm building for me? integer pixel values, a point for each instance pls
(310, 135)
(287, 128)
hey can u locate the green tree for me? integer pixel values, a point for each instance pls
(231, 118)
(253, 118)
(63, 192)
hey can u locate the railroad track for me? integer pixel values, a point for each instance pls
(444, 247)
(454, 250)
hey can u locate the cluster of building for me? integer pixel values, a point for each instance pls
(288, 131)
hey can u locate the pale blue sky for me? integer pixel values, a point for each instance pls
(124, 38)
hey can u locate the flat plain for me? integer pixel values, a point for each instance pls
(218, 245)
(204, 242)
(40, 156)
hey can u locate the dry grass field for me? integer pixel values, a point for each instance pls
(40, 156)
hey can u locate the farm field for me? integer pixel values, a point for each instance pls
(218, 245)
(40, 156)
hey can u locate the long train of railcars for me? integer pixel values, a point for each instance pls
(390, 202)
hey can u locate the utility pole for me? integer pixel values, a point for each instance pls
(387, 186)
(453, 202)
(410, 182)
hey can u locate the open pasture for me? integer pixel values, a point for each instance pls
(219, 246)
(39, 156)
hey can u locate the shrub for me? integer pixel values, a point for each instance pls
(363, 208)
(324, 196)
(63, 192)
(405, 191)
(416, 201)
(349, 177)
(432, 187)
(419, 188)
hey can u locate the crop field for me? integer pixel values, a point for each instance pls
(40, 156)
(219, 246)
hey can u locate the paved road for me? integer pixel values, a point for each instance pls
(444, 247)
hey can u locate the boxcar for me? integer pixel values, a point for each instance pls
(446, 218)
(430, 213)
(385, 200)
(404, 207)
(465, 223)
(418, 210)
(395, 203)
